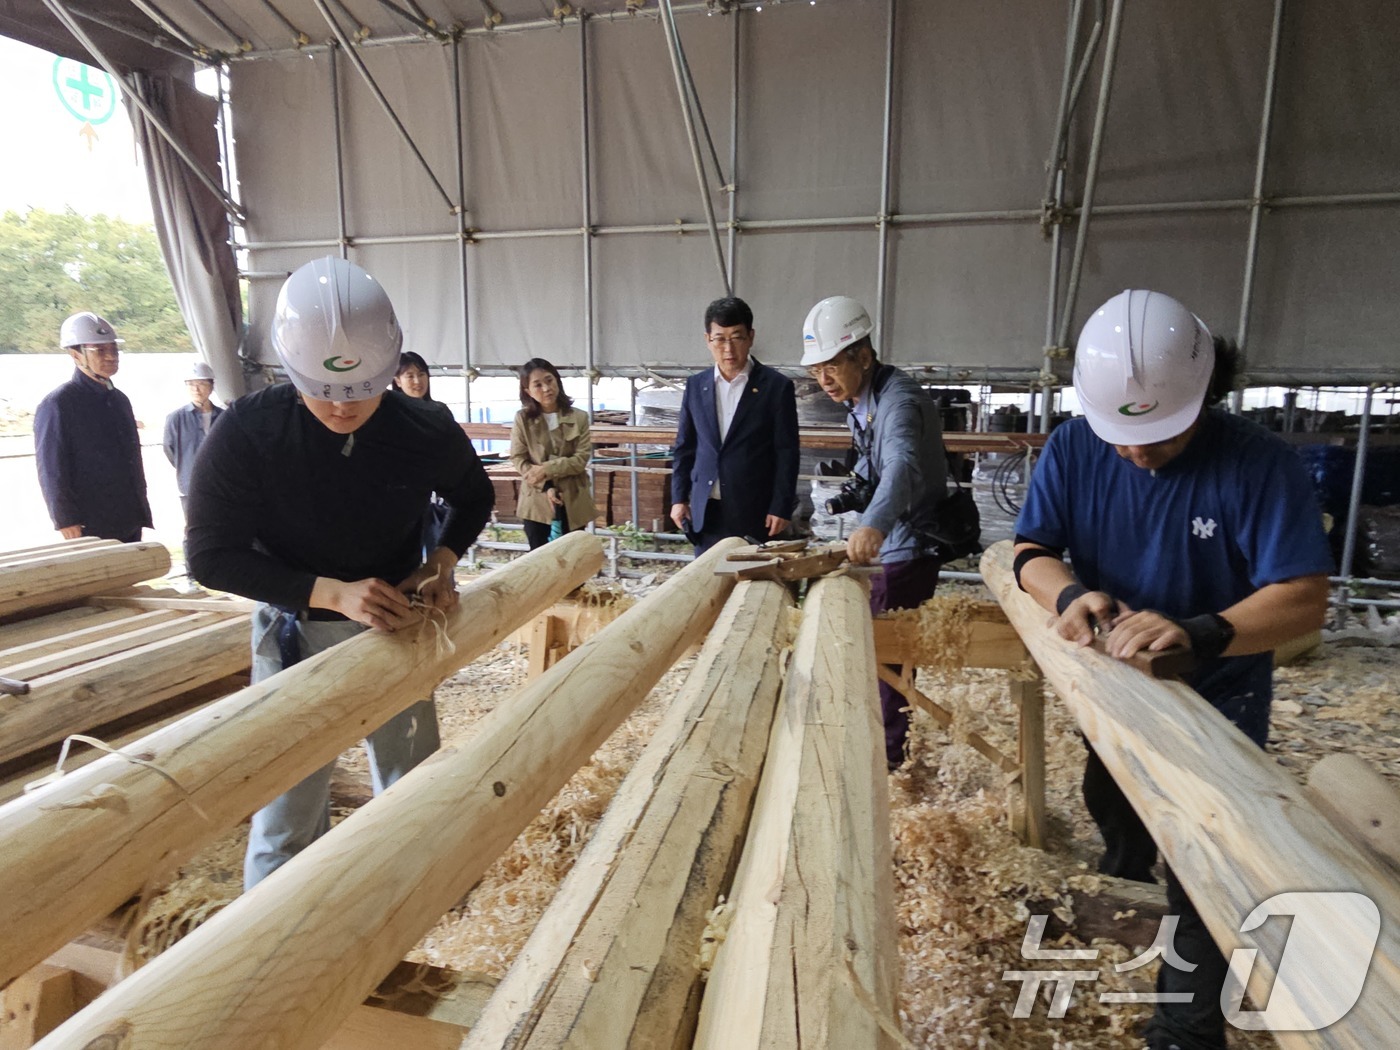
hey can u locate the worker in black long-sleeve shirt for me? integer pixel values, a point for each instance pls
(312, 507)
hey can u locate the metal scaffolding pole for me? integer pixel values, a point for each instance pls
(882, 222)
(160, 18)
(732, 229)
(668, 21)
(1358, 477)
(1256, 208)
(461, 140)
(1110, 60)
(380, 97)
(586, 155)
(342, 231)
(70, 23)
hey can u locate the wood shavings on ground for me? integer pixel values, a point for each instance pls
(944, 624)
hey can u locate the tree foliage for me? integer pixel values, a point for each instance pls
(54, 264)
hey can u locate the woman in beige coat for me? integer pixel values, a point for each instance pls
(550, 447)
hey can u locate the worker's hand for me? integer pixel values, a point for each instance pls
(680, 514)
(776, 525)
(71, 532)
(1135, 631)
(536, 475)
(555, 498)
(434, 581)
(372, 602)
(1090, 611)
(863, 545)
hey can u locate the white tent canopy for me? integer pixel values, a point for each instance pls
(900, 152)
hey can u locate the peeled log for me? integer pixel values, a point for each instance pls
(104, 680)
(284, 964)
(71, 852)
(810, 957)
(1234, 825)
(1360, 801)
(612, 962)
(62, 576)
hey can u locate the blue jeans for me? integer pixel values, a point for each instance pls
(292, 821)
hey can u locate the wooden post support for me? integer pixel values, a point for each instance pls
(612, 962)
(67, 575)
(1027, 794)
(1236, 828)
(284, 964)
(74, 850)
(34, 1005)
(810, 957)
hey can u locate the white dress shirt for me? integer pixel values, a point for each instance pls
(727, 395)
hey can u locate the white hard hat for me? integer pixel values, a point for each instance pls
(199, 370)
(1142, 368)
(86, 329)
(335, 331)
(831, 326)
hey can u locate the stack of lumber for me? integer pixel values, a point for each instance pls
(82, 651)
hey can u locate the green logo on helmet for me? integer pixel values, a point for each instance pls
(1139, 408)
(340, 364)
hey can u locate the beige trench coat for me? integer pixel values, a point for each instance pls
(565, 455)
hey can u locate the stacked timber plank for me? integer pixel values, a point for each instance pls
(72, 660)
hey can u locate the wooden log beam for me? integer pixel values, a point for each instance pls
(68, 575)
(612, 962)
(1234, 825)
(22, 554)
(95, 629)
(1360, 801)
(71, 852)
(284, 964)
(810, 957)
(69, 700)
(49, 625)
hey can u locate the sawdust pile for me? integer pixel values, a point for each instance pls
(943, 628)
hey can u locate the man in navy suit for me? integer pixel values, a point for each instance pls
(734, 467)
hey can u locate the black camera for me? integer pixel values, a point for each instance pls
(854, 495)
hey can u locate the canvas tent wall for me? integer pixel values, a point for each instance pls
(896, 151)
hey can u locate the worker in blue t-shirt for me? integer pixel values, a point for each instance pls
(1184, 526)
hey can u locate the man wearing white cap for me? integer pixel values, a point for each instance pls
(1185, 525)
(309, 499)
(187, 426)
(85, 442)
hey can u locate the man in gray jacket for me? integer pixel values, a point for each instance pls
(898, 437)
(187, 427)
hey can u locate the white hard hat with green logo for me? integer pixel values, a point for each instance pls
(335, 332)
(1142, 368)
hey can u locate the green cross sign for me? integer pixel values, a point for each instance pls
(85, 92)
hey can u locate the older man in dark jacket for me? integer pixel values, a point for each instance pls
(85, 442)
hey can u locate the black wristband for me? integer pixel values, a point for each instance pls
(1210, 634)
(1029, 555)
(1066, 597)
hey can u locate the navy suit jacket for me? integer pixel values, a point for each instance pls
(756, 464)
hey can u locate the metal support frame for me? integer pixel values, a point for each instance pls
(363, 70)
(1358, 476)
(342, 241)
(160, 18)
(1256, 208)
(668, 21)
(732, 228)
(70, 23)
(882, 221)
(586, 171)
(1110, 61)
(460, 137)
(239, 43)
(299, 39)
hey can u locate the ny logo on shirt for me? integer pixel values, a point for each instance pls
(1203, 529)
